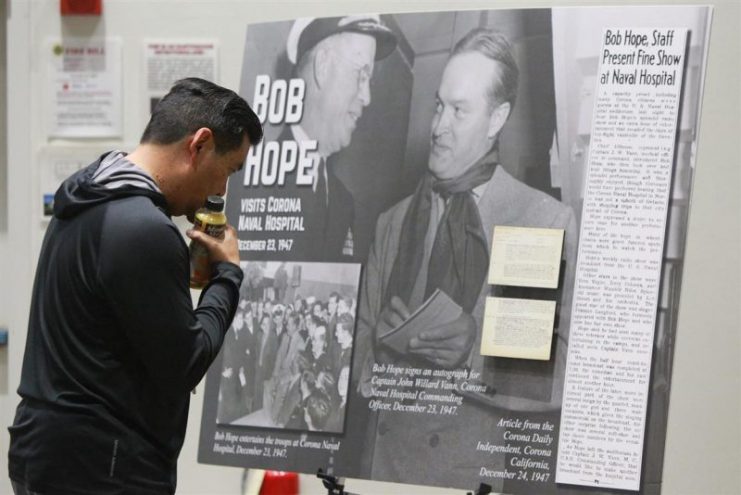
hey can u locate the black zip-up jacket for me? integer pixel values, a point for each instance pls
(114, 346)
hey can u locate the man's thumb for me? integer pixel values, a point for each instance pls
(199, 236)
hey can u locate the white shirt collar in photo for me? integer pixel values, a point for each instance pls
(476, 192)
(299, 134)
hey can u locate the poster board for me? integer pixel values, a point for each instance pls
(483, 412)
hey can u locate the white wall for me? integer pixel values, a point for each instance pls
(704, 439)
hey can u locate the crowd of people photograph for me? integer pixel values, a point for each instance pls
(286, 360)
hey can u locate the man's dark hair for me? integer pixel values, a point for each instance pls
(317, 320)
(495, 46)
(193, 103)
(334, 295)
(318, 408)
(347, 322)
(295, 318)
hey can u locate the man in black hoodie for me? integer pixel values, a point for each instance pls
(114, 346)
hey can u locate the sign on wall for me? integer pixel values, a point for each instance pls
(84, 88)
(166, 61)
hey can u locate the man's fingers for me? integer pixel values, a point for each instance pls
(229, 233)
(201, 237)
(442, 332)
(446, 345)
(399, 307)
(395, 313)
(224, 248)
(462, 326)
(453, 343)
(438, 356)
(392, 319)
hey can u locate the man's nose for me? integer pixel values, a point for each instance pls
(364, 94)
(222, 190)
(440, 124)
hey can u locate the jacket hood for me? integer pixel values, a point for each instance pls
(80, 192)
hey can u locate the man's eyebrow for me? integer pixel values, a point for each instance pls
(461, 102)
(454, 102)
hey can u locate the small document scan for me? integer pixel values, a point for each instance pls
(518, 328)
(526, 257)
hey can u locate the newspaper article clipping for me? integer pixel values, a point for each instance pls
(619, 266)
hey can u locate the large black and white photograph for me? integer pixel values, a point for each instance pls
(397, 143)
(286, 361)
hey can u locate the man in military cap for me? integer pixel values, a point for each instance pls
(335, 58)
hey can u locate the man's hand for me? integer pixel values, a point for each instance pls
(303, 363)
(242, 377)
(219, 249)
(392, 316)
(446, 345)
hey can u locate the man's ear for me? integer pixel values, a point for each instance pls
(199, 142)
(497, 119)
(320, 66)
